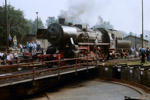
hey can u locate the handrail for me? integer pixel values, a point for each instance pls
(59, 62)
(14, 61)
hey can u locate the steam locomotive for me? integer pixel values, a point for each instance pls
(71, 41)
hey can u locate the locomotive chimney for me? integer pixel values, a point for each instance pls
(62, 21)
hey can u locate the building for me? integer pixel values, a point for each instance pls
(28, 38)
(43, 43)
(136, 42)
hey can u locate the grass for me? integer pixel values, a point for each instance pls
(128, 62)
(137, 63)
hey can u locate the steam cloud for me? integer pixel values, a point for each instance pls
(79, 11)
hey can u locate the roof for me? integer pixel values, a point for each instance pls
(134, 37)
(28, 38)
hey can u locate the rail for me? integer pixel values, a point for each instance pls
(34, 69)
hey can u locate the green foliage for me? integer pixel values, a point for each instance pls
(2, 27)
(51, 20)
(33, 25)
(17, 24)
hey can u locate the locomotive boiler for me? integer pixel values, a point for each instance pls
(67, 40)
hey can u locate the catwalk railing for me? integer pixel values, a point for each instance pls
(34, 69)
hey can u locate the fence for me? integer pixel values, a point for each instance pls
(36, 69)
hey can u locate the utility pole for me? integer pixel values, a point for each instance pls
(6, 19)
(135, 41)
(37, 19)
(142, 24)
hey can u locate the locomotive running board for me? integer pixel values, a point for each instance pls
(93, 43)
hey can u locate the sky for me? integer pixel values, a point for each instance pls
(124, 15)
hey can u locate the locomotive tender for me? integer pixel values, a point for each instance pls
(76, 40)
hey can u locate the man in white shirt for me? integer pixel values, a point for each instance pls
(21, 48)
(2, 58)
(16, 56)
(10, 58)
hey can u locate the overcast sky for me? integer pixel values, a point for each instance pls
(125, 15)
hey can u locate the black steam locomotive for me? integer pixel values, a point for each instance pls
(78, 40)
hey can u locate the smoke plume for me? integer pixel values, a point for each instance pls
(79, 11)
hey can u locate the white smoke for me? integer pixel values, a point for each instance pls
(80, 11)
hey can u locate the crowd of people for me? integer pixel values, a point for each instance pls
(26, 51)
(8, 58)
(32, 47)
(142, 53)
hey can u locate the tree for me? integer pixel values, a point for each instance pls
(2, 27)
(17, 24)
(33, 25)
(50, 20)
(103, 24)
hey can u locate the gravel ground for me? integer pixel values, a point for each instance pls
(89, 90)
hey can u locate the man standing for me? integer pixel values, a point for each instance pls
(38, 45)
(27, 46)
(148, 54)
(15, 42)
(16, 56)
(21, 48)
(142, 53)
(10, 58)
(9, 40)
